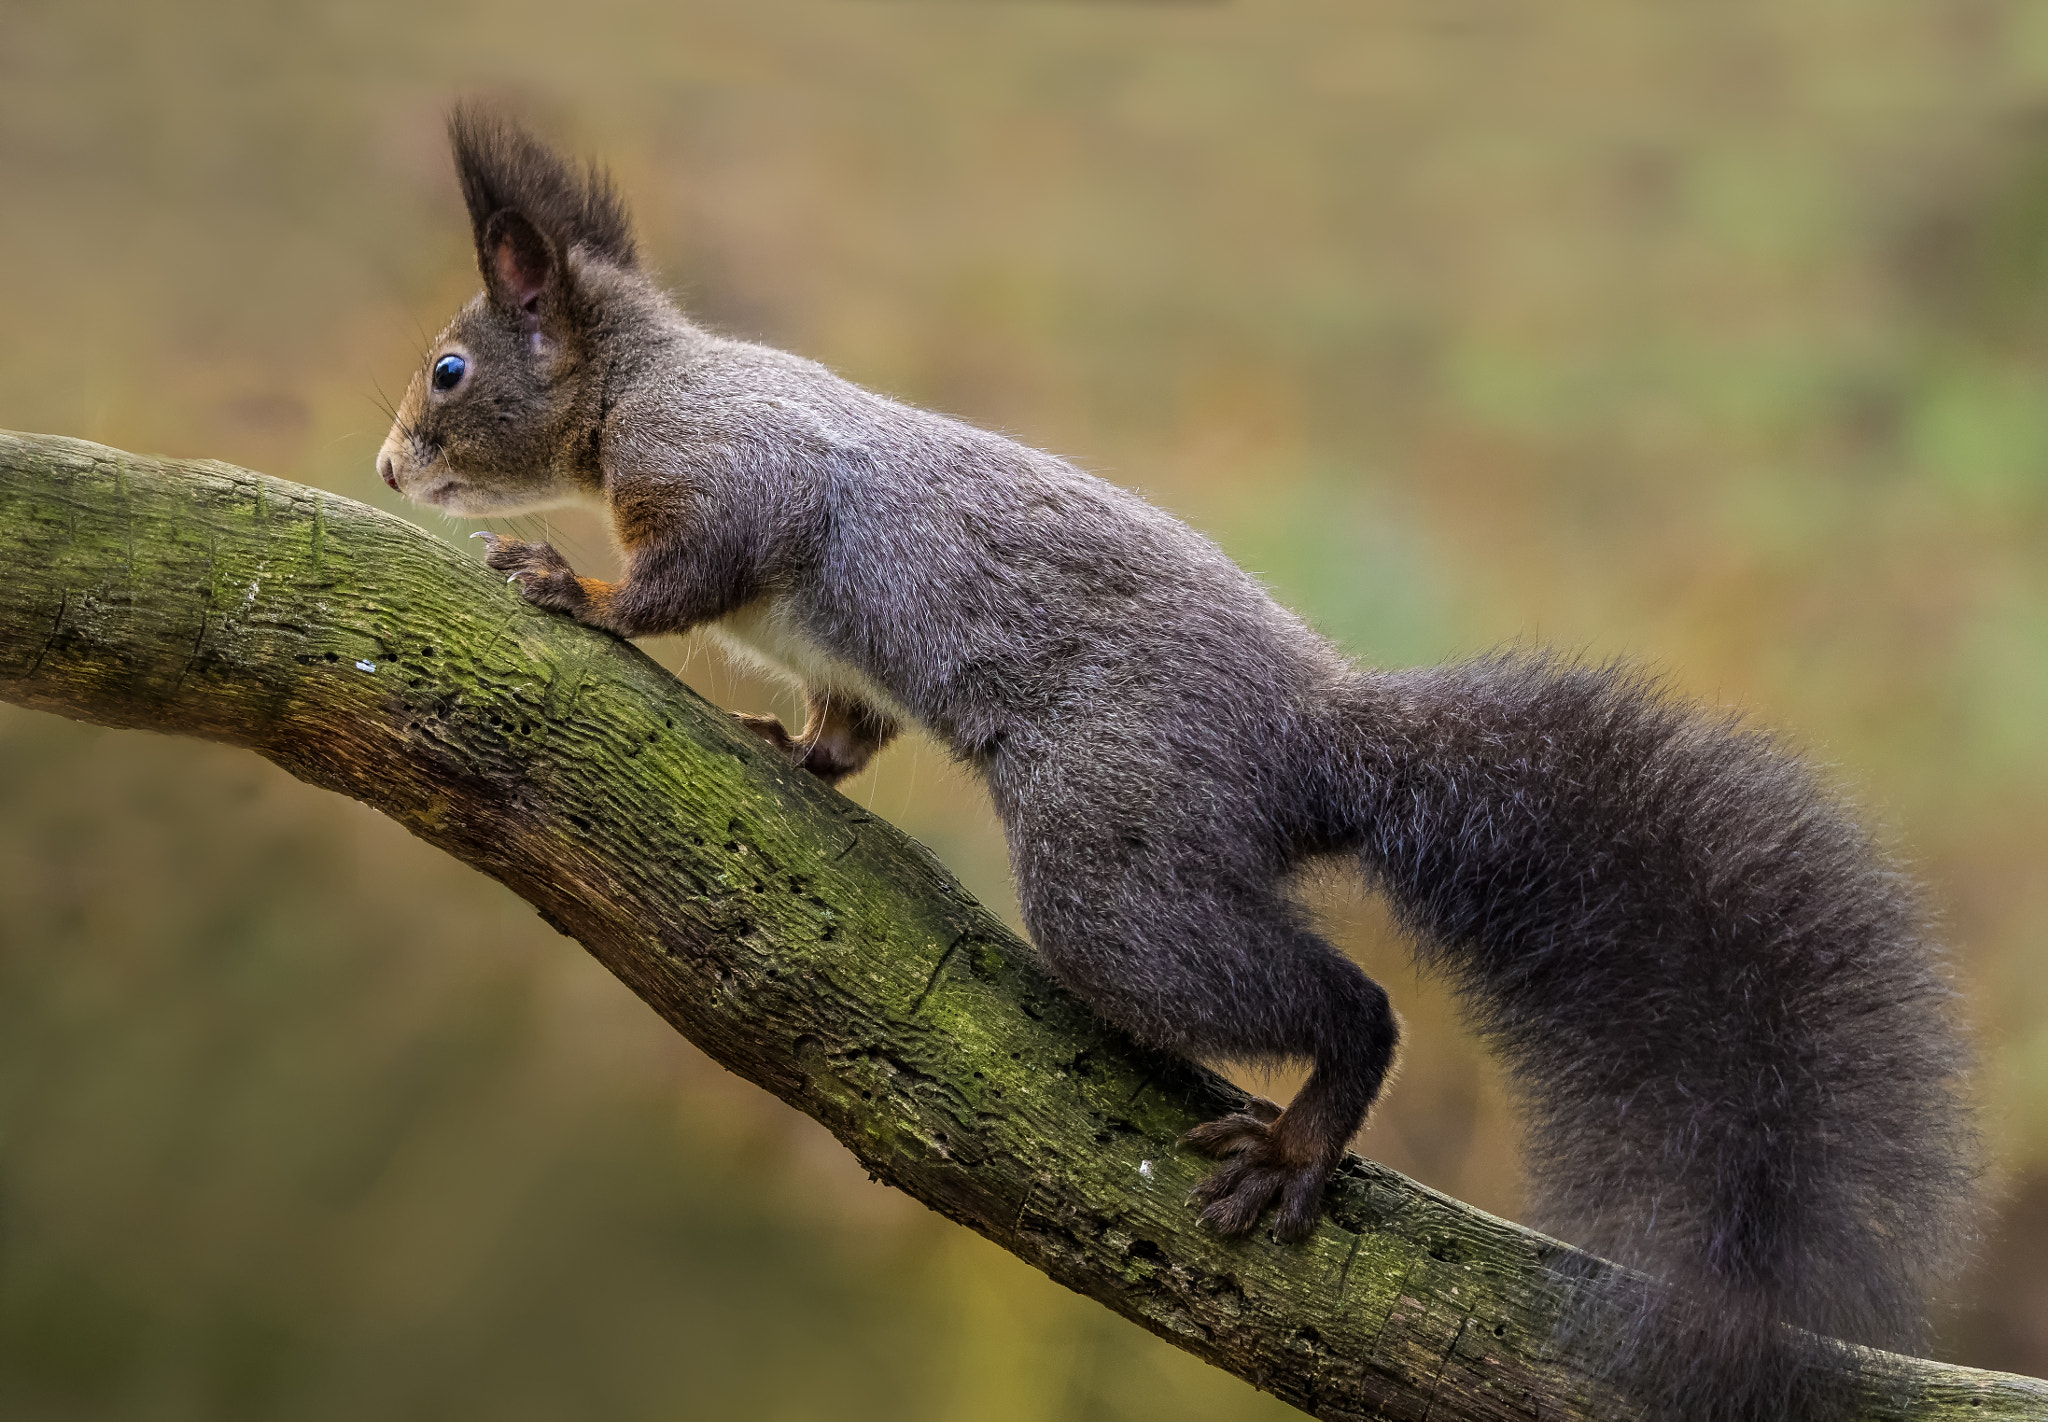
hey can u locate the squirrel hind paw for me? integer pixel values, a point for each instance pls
(1227, 1135)
(1258, 1168)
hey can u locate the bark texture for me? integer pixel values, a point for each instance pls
(801, 942)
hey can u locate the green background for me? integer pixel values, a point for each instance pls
(1715, 336)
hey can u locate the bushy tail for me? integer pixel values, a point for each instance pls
(1713, 992)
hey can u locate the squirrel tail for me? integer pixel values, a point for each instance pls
(1732, 1039)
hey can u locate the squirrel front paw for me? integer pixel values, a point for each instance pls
(829, 757)
(771, 730)
(543, 575)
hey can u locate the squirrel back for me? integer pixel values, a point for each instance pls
(1712, 990)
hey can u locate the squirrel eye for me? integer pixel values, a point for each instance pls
(448, 371)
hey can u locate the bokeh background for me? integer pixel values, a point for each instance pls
(1715, 335)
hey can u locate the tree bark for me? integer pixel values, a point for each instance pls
(798, 940)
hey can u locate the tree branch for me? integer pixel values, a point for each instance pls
(801, 942)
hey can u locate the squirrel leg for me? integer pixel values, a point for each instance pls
(839, 738)
(840, 735)
(1216, 970)
(659, 594)
(1268, 1153)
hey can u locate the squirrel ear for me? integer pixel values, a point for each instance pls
(519, 263)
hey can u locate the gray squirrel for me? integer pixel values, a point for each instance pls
(1714, 994)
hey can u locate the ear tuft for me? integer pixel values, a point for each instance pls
(504, 168)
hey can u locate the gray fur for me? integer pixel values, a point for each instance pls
(1734, 1042)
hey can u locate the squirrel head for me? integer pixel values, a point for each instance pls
(493, 420)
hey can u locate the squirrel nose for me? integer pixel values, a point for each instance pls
(388, 470)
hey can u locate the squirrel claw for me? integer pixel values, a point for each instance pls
(1257, 1167)
(771, 730)
(543, 575)
(1234, 1197)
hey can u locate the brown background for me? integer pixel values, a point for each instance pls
(1713, 335)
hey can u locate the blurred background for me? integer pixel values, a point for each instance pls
(1712, 335)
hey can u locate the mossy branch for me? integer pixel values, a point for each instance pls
(798, 940)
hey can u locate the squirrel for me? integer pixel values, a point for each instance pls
(1715, 995)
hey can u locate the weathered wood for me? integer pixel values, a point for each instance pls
(801, 942)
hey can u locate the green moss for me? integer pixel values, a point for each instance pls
(705, 872)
